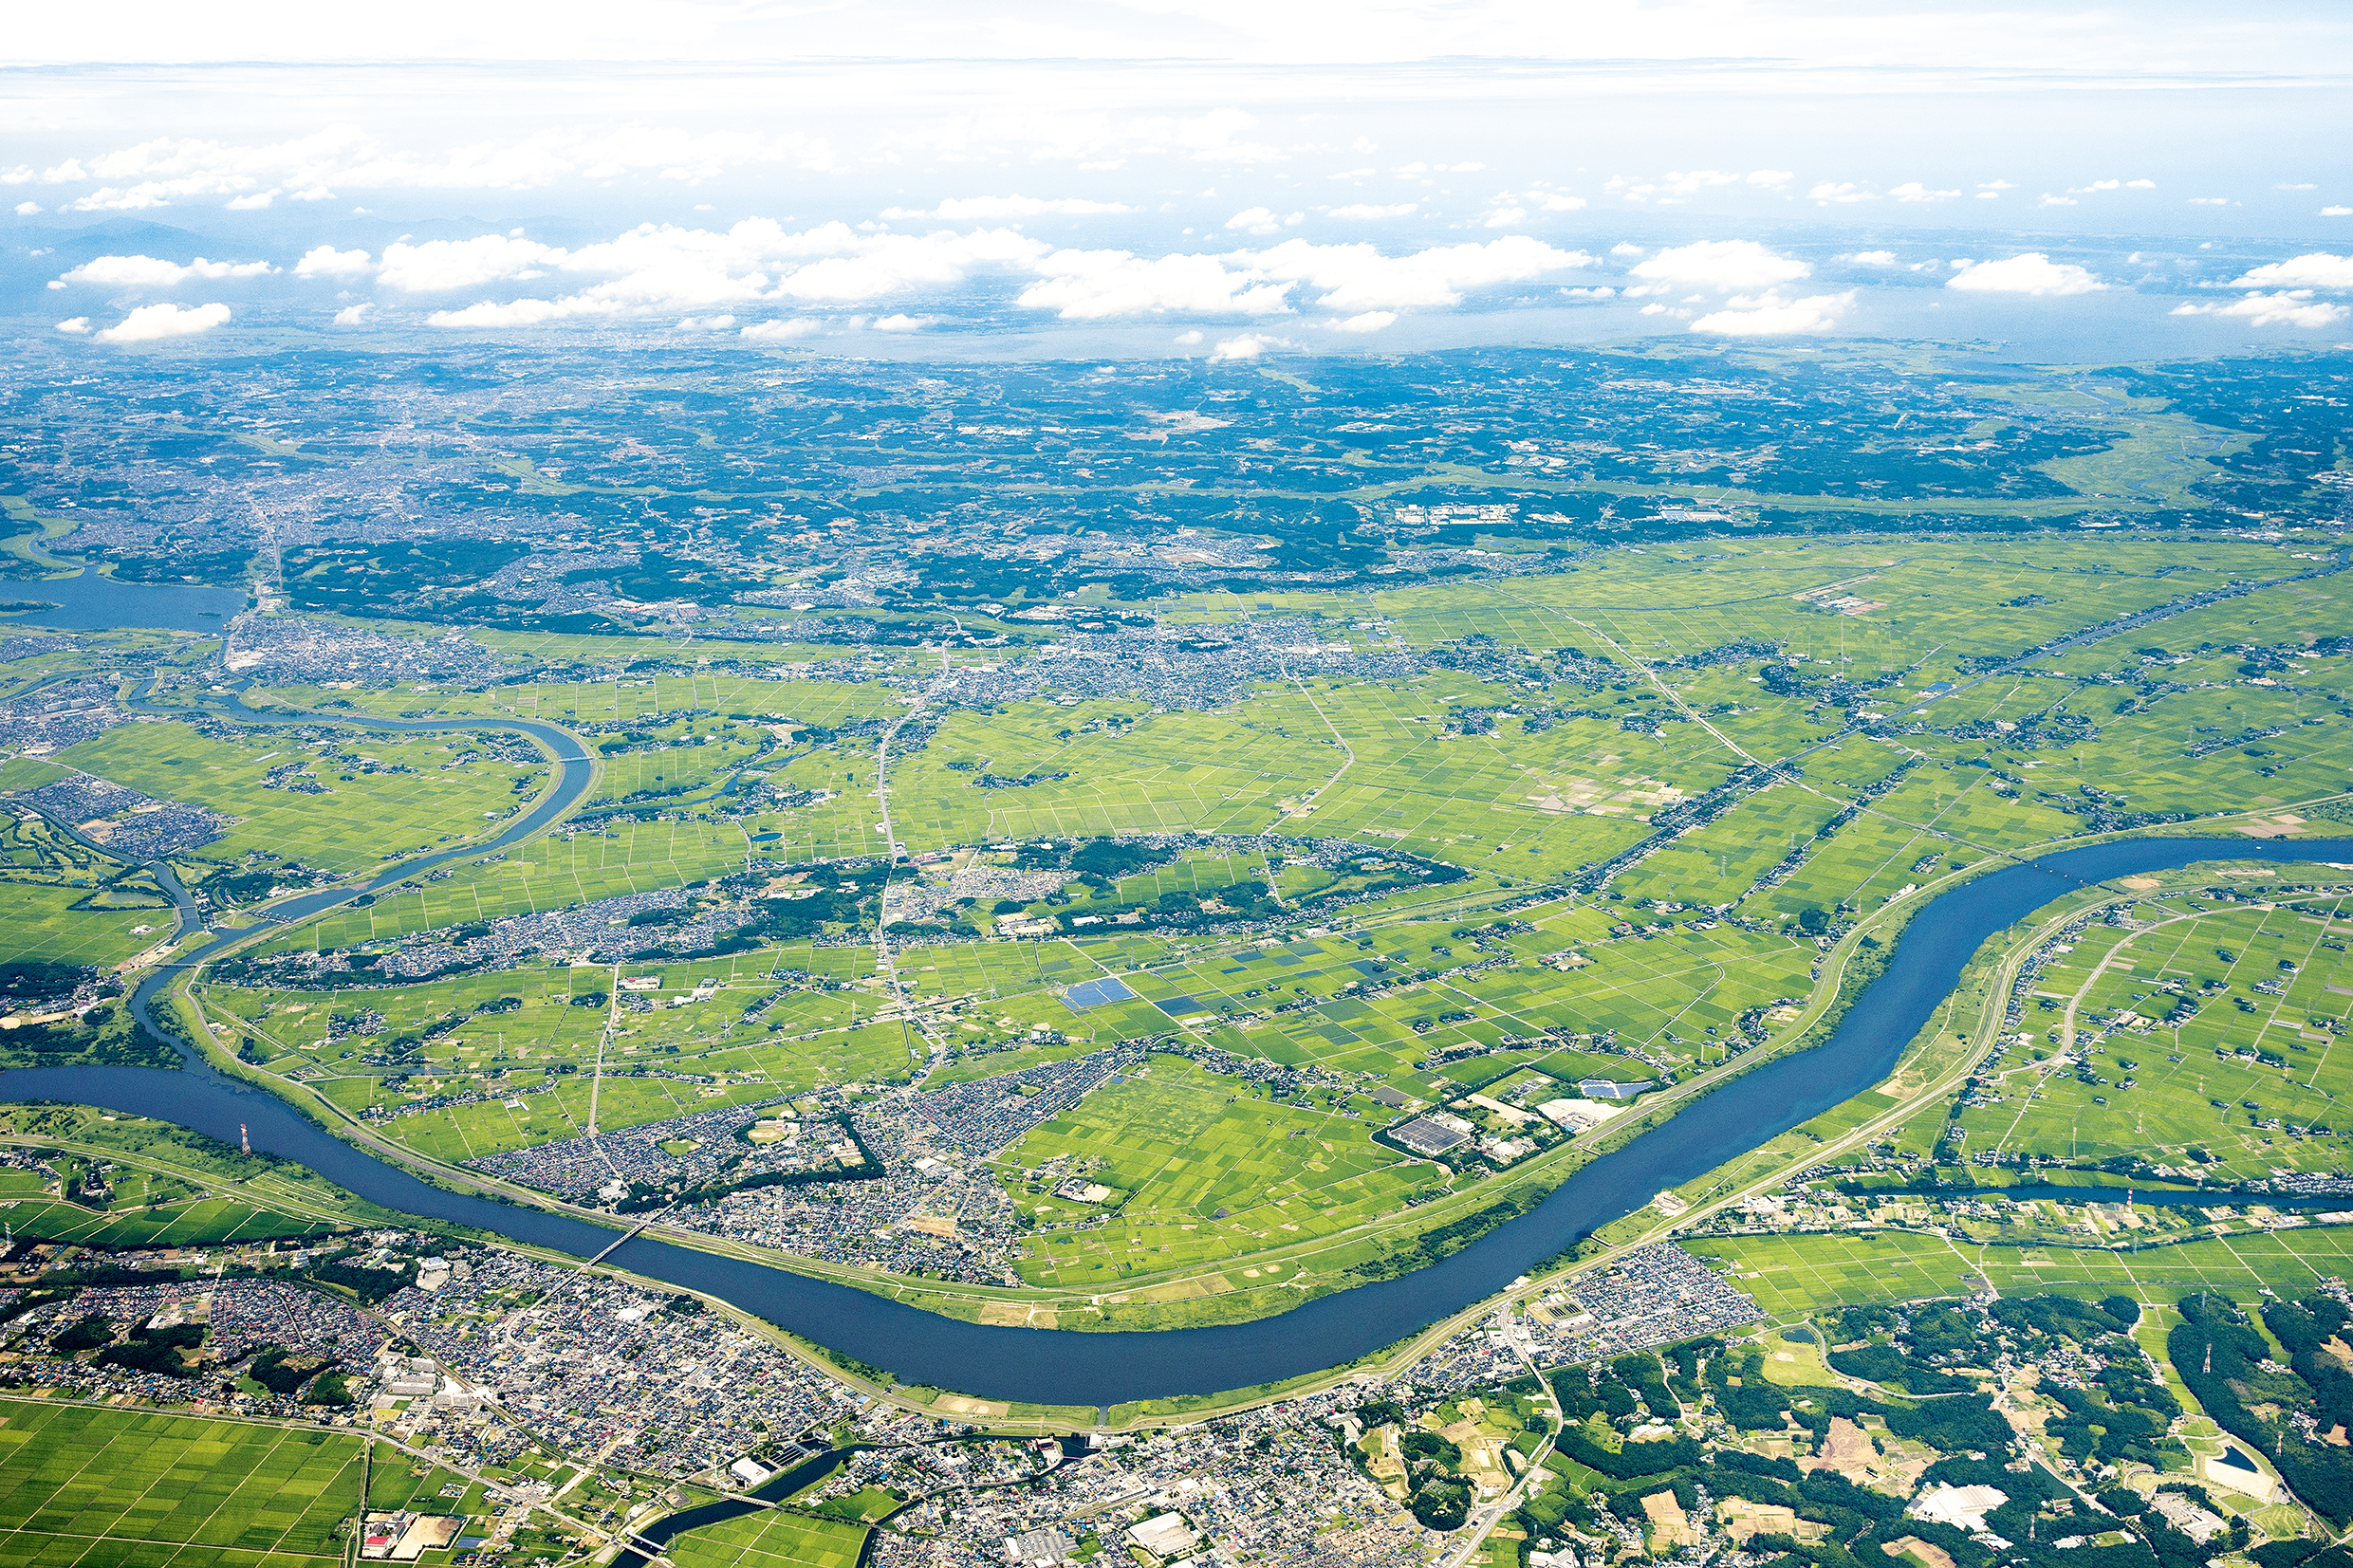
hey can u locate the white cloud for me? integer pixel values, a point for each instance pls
(1091, 284)
(2290, 309)
(2032, 273)
(777, 332)
(1189, 338)
(1915, 190)
(1250, 345)
(2315, 269)
(2287, 187)
(1770, 179)
(1000, 209)
(1357, 277)
(705, 323)
(1259, 220)
(168, 169)
(325, 260)
(354, 315)
(78, 326)
(1869, 258)
(2211, 201)
(2337, 212)
(1363, 210)
(26, 209)
(1371, 320)
(905, 323)
(660, 269)
(1770, 314)
(1676, 187)
(1602, 293)
(437, 266)
(882, 265)
(149, 272)
(1505, 217)
(1627, 248)
(151, 322)
(523, 312)
(2112, 185)
(1720, 265)
(1829, 192)
(2049, 200)
(254, 203)
(1995, 187)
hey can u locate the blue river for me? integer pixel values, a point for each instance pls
(1068, 1367)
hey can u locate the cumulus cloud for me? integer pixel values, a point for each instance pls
(1002, 208)
(705, 323)
(354, 315)
(437, 266)
(1915, 190)
(2112, 185)
(2337, 212)
(1870, 258)
(1189, 338)
(1720, 266)
(1365, 210)
(2288, 308)
(149, 272)
(151, 322)
(325, 260)
(523, 312)
(1677, 186)
(660, 269)
(2211, 201)
(777, 332)
(2032, 273)
(2315, 269)
(1602, 293)
(78, 326)
(165, 170)
(1259, 220)
(1358, 277)
(1831, 192)
(1770, 179)
(1091, 284)
(1770, 314)
(26, 209)
(1250, 345)
(1371, 320)
(902, 323)
(881, 264)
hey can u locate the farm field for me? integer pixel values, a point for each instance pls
(207, 1222)
(1790, 1276)
(104, 1487)
(2206, 1034)
(377, 795)
(43, 926)
(1201, 1168)
(772, 1539)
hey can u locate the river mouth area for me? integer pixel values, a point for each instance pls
(1073, 1367)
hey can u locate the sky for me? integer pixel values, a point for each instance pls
(1181, 176)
